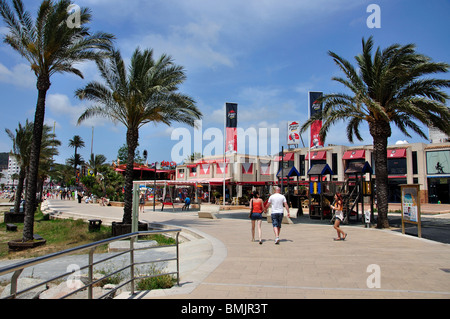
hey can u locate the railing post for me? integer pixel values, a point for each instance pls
(14, 278)
(135, 209)
(132, 263)
(178, 261)
(91, 272)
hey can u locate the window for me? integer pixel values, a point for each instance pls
(438, 162)
(302, 165)
(334, 163)
(414, 160)
(396, 166)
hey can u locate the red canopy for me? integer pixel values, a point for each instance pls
(397, 153)
(354, 154)
(317, 155)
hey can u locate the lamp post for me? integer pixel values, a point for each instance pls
(156, 166)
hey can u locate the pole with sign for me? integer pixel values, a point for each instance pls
(411, 207)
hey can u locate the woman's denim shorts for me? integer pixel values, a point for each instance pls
(256, 216)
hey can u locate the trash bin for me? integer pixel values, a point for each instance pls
(94, 225)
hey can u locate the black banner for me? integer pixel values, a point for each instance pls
(231, 110)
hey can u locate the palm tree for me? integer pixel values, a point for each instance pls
(50, 46)
(389, 87)
(97, 162)
(76, 142)
(22, 140)
(49, 149)
(148, 92)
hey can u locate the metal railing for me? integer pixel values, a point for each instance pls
(18, 268)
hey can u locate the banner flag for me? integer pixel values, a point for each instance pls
(204, 168)
(265, 168)
(314, 108)
(293, 133)
(231, 126)
(222, 168)
(247, 168)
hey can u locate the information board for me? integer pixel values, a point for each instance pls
(411, 206)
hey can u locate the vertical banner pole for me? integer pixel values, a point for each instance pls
(309, 116)
(135, 209)
(230, 127)
(224, 150)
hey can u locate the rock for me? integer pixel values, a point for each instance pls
(23, 283)
(61, 290)
(109, 287)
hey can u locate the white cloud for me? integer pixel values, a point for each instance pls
(212, 34)
(62, 109)
(193, 45)
(20, 75)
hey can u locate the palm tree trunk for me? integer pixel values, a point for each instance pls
(132, 141)
(19, 191)
(380, 132)
(75, 166)
(43, 84)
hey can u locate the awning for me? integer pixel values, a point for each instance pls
(260, 183)
(397, 153)
(317, 155)
(211, 181)
(286, 158)
(354, 154)
(143, 169)
(359, 168)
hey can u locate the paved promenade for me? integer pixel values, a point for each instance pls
(222, 262)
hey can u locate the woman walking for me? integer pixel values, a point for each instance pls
(339, 216)
(256, 209)
(141, 203)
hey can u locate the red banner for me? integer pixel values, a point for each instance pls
(231, 135)
(314, 108)
(315, 138)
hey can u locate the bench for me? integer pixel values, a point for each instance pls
(11, 227)
(209, 211)
(167, 204)
(11, 210)
(37, 237)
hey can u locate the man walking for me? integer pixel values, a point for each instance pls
(277, 201)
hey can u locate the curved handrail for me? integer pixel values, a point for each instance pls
(20, 266)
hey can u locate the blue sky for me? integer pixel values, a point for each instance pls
(264, 55)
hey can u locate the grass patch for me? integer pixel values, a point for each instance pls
(60, 234)
(158, 282)
(160, 239)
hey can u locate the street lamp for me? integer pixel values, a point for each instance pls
(156, 166)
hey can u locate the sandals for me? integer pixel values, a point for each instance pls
(339, 238)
